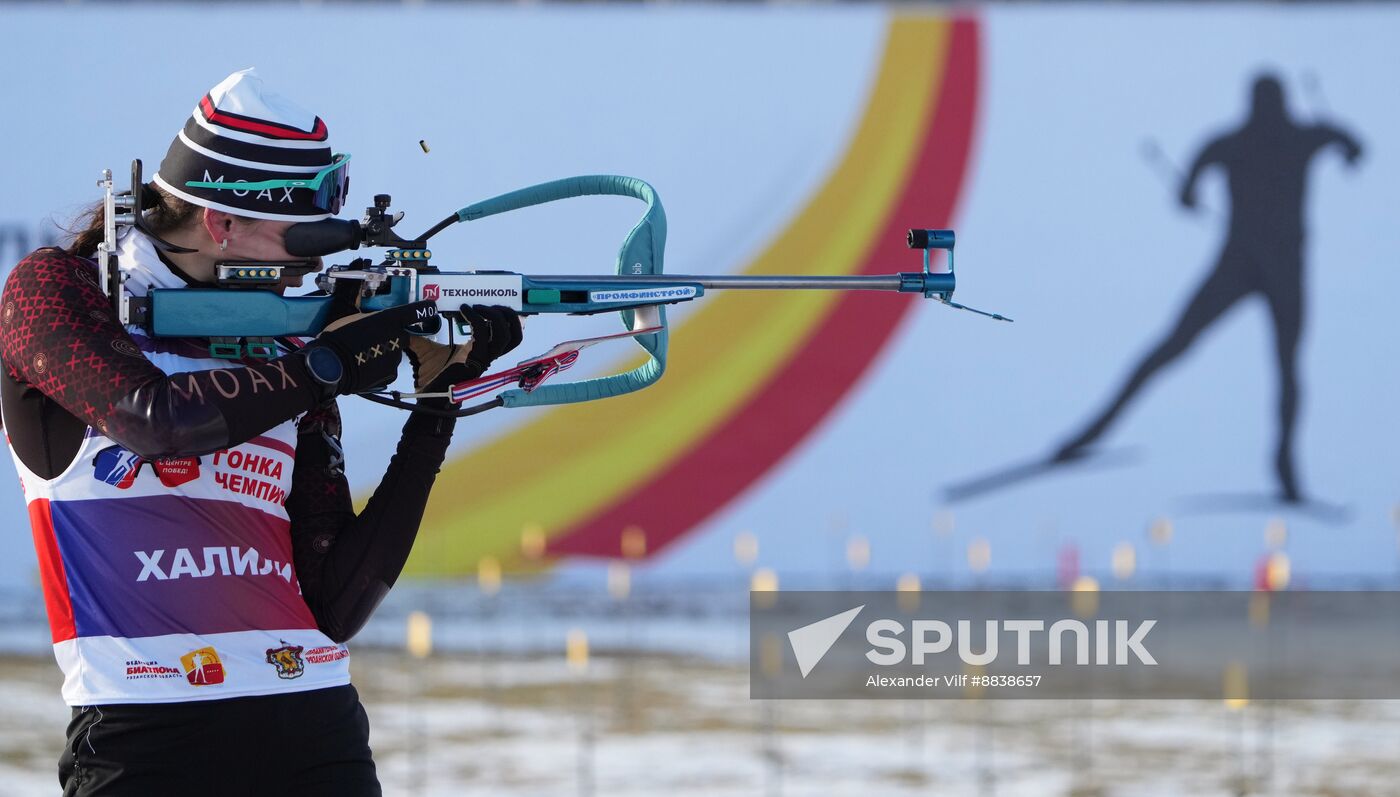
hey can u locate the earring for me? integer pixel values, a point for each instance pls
(223, 244)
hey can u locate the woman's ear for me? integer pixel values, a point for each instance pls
(219, 225)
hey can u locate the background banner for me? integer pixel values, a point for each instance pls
(1195, 377)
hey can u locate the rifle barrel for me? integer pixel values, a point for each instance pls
(880, 282)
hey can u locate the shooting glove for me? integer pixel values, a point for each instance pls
(369, 346)
(495, 331)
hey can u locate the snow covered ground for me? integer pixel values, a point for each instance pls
(650, 724)
(663, 708)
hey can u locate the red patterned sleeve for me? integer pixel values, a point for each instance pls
(59, 334)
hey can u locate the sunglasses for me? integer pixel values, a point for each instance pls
(329, 194)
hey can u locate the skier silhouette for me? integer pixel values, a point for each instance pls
(1266, 160)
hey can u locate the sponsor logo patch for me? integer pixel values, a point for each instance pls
(178, 471)
(202, 667)
(287, 659)
(677, 293)
(494, 289)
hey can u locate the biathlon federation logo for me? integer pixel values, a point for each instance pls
(202, 667)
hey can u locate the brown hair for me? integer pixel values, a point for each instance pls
(162, 214)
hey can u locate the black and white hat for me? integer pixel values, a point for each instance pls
(241, 133)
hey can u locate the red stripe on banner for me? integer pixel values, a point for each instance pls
(268, 129)
(274, 444)
(57, 601)
(825, 367)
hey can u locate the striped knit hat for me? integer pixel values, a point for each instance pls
(240, 133)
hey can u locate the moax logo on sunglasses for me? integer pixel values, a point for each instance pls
(327, 191)
(266, 193)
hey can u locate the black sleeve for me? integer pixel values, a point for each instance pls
(59, 334)
(346, 563)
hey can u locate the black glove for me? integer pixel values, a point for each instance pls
(436, 367)
(369, 346)
(495, 331)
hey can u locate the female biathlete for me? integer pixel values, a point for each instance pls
(201, 561)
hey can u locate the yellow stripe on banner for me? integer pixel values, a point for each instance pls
(576, 460)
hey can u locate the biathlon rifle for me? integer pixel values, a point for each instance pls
(241, 321)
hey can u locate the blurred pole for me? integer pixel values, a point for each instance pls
(986, 769)
(979, 559)
(764, 583)
(770, 662)
(764, 588)
(745, 555)
(1241, 768)
(1160, 533)
(1124, 562)
(1067, 565)
(633, 544)
(837, 529)
(983, 746)
(908, 599)
(1236, 690)
(1280, 572)
(576, 656)
(857, 559)
(418, 639)
(1259, 610)
(745, 551)
(488, 582)
(619, 589)
(944, 524)
(534, 544)
(1084, 600)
